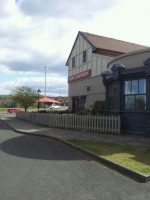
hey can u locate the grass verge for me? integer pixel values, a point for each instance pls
(134, 157)
(3, 109)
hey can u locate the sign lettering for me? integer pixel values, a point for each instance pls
(79, 76)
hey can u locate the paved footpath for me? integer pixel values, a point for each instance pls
(62, 134)
(36, 168)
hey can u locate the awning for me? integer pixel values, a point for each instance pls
(48, 100)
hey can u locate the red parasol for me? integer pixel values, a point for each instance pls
(48, 100)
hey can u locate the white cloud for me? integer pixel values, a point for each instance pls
(65, 8)
(55, 86)
(38, 33)
(7, 8)
(127, 21)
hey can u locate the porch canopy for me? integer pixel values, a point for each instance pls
(48, 100)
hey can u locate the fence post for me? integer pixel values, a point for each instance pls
(119, 124)
(66, 121)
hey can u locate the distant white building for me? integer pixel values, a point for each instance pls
(90, 56)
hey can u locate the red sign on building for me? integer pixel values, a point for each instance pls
(79, 76)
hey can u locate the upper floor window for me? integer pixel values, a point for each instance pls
(135, 94)
(113, 97)
(73, 61)
(84, 56)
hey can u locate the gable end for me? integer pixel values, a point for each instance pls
(80, 34)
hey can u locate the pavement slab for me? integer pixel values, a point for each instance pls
(28, 127)
(64, 135)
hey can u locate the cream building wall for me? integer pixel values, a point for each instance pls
(96, 63)
(131, 60)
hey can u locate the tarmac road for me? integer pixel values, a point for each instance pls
(38, 168)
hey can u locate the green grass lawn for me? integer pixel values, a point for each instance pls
(134, 157)
(6, 109)
(3, 109)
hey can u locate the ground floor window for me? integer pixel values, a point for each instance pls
(135, 94)
(79, 103)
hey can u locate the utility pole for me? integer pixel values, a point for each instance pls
(60, 89)
(45, 81)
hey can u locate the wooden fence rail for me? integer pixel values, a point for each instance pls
(107, 124)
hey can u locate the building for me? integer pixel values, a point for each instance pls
(90, 56)
(128, 91)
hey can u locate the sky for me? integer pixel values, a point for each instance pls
(40, 33)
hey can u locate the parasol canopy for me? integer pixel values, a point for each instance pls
(48, 100)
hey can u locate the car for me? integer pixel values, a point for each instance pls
(54, 106)
(13, 110)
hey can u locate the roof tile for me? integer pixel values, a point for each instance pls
(101, 42)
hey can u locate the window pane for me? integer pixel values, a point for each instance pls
(140, 102)
(112, 103)
(142, 86)
(84, 56)
(127, 87)
(73, 62)
(135, 87)
(113, 90)
(130, 102)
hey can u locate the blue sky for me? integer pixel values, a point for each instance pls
(38, 33)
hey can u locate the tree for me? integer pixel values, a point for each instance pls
(24, 96)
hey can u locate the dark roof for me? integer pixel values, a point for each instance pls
(111, 44)
(107, 46)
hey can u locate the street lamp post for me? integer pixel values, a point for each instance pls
(39, 91)
(60, 89)
(45, 81)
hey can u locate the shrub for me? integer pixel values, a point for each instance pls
(63, 112)
(42, 111)
(84, 112)
(52, 111)
(58, 111)
(98, 108)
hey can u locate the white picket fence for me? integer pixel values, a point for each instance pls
(107, 124)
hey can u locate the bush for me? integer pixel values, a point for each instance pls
(84, 112)
(58, 111)
(42, 111)
(52, 111)
(98, 108)
(63, 112)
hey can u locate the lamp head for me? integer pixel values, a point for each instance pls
(87, 87)
(39, 90)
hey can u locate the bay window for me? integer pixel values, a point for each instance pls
(135, 94)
